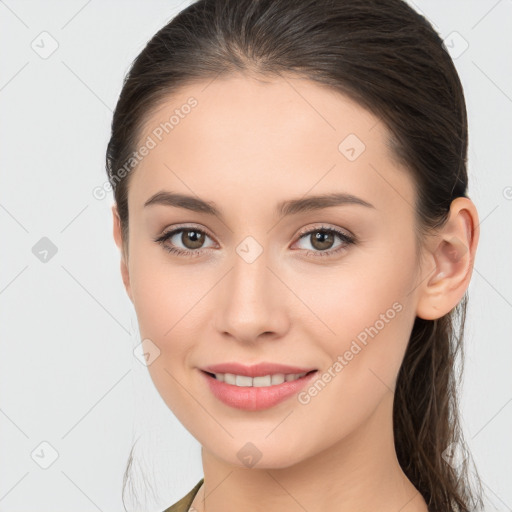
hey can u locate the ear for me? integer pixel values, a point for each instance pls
(450, 257)
(118, 237)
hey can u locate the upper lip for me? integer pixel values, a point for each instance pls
(256, 370)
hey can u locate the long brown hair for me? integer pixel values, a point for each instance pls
(389, 59)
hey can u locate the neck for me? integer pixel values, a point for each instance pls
(360, 472)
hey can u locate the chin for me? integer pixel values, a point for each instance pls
(259, 455)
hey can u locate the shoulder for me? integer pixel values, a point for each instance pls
(184, 504)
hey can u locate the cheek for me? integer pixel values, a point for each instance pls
(160, 302)
(163, 293)
(362, 363)
(165, 307)
(169, 301)
(366, 317)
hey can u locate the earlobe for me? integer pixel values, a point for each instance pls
(118, 237)
(452, 255)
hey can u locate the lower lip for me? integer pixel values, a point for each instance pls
(251, 398)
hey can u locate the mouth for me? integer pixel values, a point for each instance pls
(261, 381)
(256, 393)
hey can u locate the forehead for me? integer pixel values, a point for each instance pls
(241, 137)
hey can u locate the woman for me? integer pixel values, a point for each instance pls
(297, 239)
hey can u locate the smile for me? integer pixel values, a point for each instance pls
(257, 382)
(255, 393)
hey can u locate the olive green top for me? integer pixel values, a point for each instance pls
(184, 504)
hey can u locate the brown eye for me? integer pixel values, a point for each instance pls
(186, 241)
(192, 238)
(322, 240)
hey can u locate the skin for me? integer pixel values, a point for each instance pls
(249, 144)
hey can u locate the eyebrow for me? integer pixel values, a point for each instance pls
(284, 208)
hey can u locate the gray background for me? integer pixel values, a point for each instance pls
(68, 375)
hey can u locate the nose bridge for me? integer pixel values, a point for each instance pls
(250, 273)
(251, 301)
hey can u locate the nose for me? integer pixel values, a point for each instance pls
(251, 301)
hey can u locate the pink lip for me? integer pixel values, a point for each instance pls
(256, 370)
(255, 398)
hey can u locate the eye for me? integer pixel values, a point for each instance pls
(191, 239)
(322, 240)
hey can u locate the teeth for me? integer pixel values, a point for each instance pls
(242, 380)
(278, 378)
(257, 382)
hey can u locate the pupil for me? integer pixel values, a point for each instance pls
(322, 240)
(192, 239)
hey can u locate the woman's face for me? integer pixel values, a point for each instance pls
(261, 282)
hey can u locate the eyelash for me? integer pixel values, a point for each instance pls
(346, 239)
